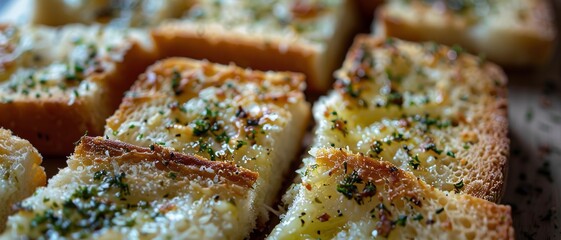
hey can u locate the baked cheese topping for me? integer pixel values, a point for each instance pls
(48, 63)
(310, 20)
(349, 196)
(418, 106)
(113, 190)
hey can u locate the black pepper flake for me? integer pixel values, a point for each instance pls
(240, 113)
(459, 185)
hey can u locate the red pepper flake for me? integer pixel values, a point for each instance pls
(308, 186)
(324, 217)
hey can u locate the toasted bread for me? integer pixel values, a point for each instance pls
(223, 113)
(512, 33)
(20, 172)
(350, 196)
(128, 13)
(280, 35)
(114, 190)
(429, 109)
(58, 84)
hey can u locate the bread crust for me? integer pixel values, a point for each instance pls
(54, 123)
(524, 40)
(190, 165)
(219, 45)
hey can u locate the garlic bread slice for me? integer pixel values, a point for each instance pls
(114, 190)
(429, 109)
(307, 36)
(58, 83)
(253, 119)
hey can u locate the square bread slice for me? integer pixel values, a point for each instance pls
(124, 13)
(281, 35)
(56, 84)
(350, 196)
(429, 109)
(114, 190)
(513, 33)
(20, 172)
(253, 119)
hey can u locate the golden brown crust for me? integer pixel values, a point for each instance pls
(52, 126)
(255, 52)
(191, 165)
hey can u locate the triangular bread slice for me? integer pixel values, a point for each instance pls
(514, 33)
(429, 109)
(20, 172)
(224, 113)
(350, 196)
(56, 84)
(114, 190)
